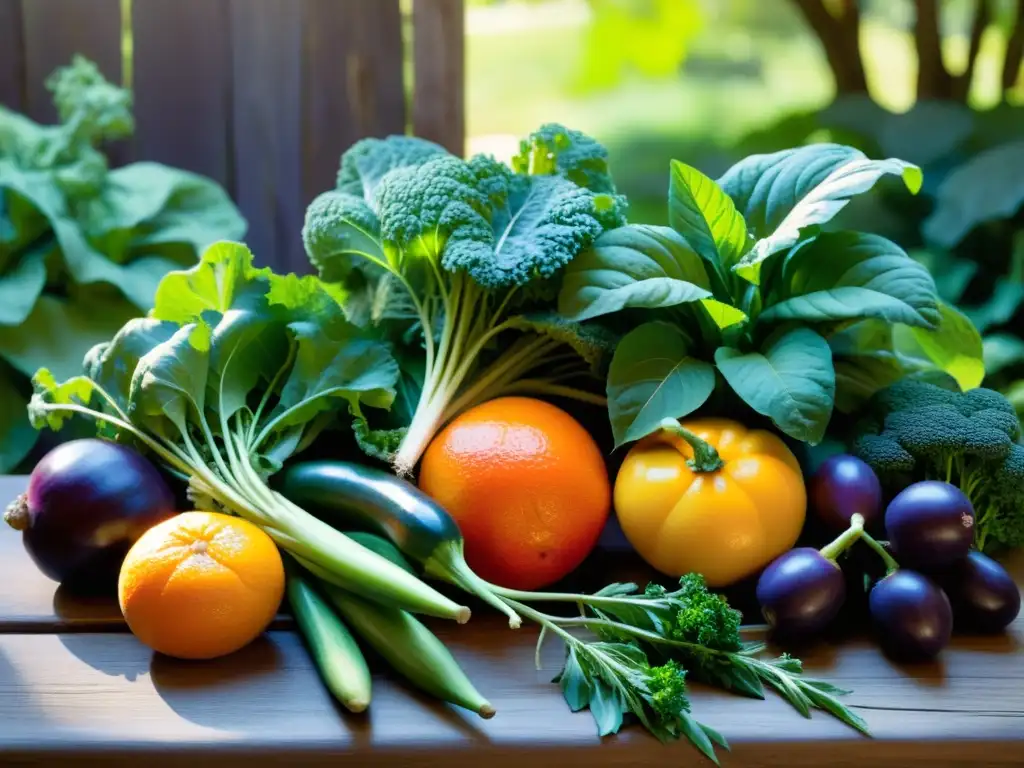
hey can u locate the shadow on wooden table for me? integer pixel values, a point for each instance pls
(103, 657)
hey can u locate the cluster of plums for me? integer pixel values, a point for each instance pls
(933, 576)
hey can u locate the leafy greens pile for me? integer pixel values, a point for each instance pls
(443, 255)
(749, 286)
(235, 370)
(82, 247)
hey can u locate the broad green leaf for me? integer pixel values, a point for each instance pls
(988, 187)
(168, 205)
(225, 270)
(865, 361)
(954, 347)
(16, 433)
(20, 287)
(783, 193)
(724, 315)
(701, 212)
(1000, 351)
(653, 376)
(111, 364)
(575, 685)
(327, 370)
(606, 706)
(634, 266)
(1000, 308)
(58, 332)
(791, 381)
(852, 276)
(170, 383)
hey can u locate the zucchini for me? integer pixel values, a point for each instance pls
(341, 664)
(411, 649)
(354, 496)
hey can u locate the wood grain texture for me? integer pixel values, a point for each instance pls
(181, 75)
(266, 46)
(310, 78)
(62, 694)
(12, 56)
(353, 82)
(56, 30)
(438, 111)
(68, 697)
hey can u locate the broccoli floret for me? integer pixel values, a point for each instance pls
(666, 686)
(924, 431)
(883, 453)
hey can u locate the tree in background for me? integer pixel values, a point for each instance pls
(838, 26)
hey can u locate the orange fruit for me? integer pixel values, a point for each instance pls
(200, 585)
(527, 485)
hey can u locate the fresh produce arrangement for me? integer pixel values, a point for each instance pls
(463, 306)
(933, 575)
(82, 244)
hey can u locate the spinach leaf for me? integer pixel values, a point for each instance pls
(988, 187)
(790, 380)
(634, 266)
(954, 347)
(654, 376)
(852, 276)
(701, 209)
(784, 193)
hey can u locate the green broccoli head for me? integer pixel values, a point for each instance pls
(916, 431)
(1005, 524)
(666, 686)
(555, 149)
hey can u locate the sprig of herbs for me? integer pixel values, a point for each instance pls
(648, 643)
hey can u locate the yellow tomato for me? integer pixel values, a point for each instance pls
(725, 513)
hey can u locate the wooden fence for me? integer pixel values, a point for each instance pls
(261, 95)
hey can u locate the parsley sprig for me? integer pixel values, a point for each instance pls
(649, 643)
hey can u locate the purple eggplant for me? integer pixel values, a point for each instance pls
(842, 487)
(985, 598)
(930, 525)
(800, 592)
(87, 502)
(912, 614)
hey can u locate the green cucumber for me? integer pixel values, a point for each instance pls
(354, 496)
(410, 648)
(332, 647)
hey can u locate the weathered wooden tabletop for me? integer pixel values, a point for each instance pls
(77, 689)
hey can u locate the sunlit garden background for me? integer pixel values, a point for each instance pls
(690, 79)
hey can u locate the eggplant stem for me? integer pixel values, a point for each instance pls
(17, 514)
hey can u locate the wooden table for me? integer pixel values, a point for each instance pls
(77, 689)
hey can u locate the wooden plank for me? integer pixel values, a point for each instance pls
(267, 71)
(12, 56)
(181, 75)
(56, 30)
(310, 78)
(438, 111)
(98, 696)
(353, 81)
